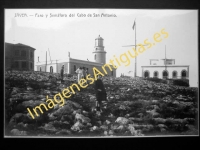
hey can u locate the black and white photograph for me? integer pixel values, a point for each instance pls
(100, 73)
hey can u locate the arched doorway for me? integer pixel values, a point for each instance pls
(146, 74)
(51, 69)
(183, 74)
(40, 69)
(165, 74)
(155, 74)
(174, 74)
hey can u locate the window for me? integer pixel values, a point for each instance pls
(183, 74)
(31, 65)
(111, 73)
(165, 74)
(95, 57)
(31, 54)
(146, 74)
(24, 65)
(17, 52)
(51, 69)
(74, 67)
(155, 74)
(16, 65)
(23, 53)
(40, 69)
(174, 74)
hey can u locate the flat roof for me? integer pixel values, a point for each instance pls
(20, 45)
(167, 66)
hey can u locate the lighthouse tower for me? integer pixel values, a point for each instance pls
(99, 53)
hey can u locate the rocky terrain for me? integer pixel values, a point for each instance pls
(134, 107)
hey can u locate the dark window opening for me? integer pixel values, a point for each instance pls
(17, 52)
(31, 65)
(165, 74)
(146, 74)
(31, 54)
(183, 74)
(156, 74)
(174, 74)
(16, 65)
(74, 67)
(23, 53)
(24, 65)
(51, 69)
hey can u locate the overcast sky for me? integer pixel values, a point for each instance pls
(77, 34)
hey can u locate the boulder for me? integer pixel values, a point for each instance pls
(121, 128)
(104, 127)
(111, 132)
(122, 120)
(82, 118)
(107, 122)
(153, 113)
(132, 129)
(49, 127)
(95, 128)
(64, 132)
(73, 104)
(105, 133)
(162, 126)
(77, 126)
(66, 118)
(19, 117)
(32, 103)
(18, 133)
(64, 110)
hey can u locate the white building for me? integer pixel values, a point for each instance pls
(165, 68)
(71, 64)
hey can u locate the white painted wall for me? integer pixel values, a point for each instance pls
(54, 67)
(160, 70)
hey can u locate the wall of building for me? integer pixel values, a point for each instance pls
(90, 68)
(162, 62)
(100, 57)
(69, 68)
(19, 57)
(160, 70)
(56, 67)
(65, 67)
(41, 68)
(8, 56)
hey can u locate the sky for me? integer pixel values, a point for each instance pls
(42, 30)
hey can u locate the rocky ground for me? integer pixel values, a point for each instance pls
(134, 107)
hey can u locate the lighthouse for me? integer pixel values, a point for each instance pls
(99, 52)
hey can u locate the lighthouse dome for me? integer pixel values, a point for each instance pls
(99, 38)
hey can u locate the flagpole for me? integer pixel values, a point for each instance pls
(135, 49)
(46, 63)
(165, 58)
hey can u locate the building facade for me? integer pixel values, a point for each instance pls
(19, 57)
(165, 68)
(71, 64)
